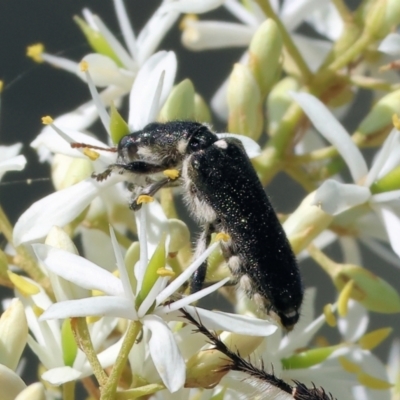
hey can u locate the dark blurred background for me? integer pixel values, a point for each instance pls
(34, 90)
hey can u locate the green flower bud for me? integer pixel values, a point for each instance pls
(265, 55)
(180, 103)
(118, 127)
(158, 261)
(244, 103)
(279, 101)
(13, 334)
(68, 344)
(383, 16)
(308, 358)
(391, 181)
(202, 112)
(381, 114)
(97, 41)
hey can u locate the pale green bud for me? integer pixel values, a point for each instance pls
(33, 392)
(66, 171)
(381, 114)
(97, 41)
(10, 383)
(308, 358)
(57, 237)
(244, 103)
(13, 334)
(265, 55)
(180, 235)
(383, 16)
(202, 112)
(180, 103)
(68, 344)
(306, 223)
(278, 102)
(206, 368)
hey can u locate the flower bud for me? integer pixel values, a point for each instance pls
(57, 237)
(180, 103)
(382, 18)
(180, 235)
(306, 223)
(206, 368)
(391, 181)
(244, 103)
(202, 112)
(278, 101)
(96, 40)
(118, 126)
(33, 392)
(381, 114)
(308, 358)
(13, 334)
(265, 55)
(66, 171)
(10, 383)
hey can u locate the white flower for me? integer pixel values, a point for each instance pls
(64, 206)
(10, 160)
(335, 197)
(120, 300)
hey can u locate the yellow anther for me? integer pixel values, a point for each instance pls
(116, 273)
(35, 52)
(222, 236)
(92, 319)
(1, 86)
(163, 272)
(349, 366)
(344, 298)
(93, 155)
(144, 198)
(372, 339)
(23, 285)
(96, 293)
(396, 121)
(371, 382)
(47, 120)
(329, 315)
(172, 173)
(38, 311)
(84, 66)
(186, 20)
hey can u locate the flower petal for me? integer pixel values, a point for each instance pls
(60, 375)
(241, 324)
(78, 270)
(335, 197)
(102, 306)
(332, 130)
(391, 44)
(145, 87)
(165, 353)
(195, 7)
(392, 224)
(59, 208)
(355, 324)
(13, 164)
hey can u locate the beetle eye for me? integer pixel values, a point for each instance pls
(201, 140)
(127, 149)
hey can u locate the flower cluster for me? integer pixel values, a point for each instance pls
(103, 291)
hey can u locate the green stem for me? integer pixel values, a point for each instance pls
(287, 40)
(109, 391)
(82, 337)
(351, 53)
(69, 390)
(139, 392)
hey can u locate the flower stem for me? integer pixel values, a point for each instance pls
(287, 40)
(69, 390)
(109, 390)
(84, 341)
